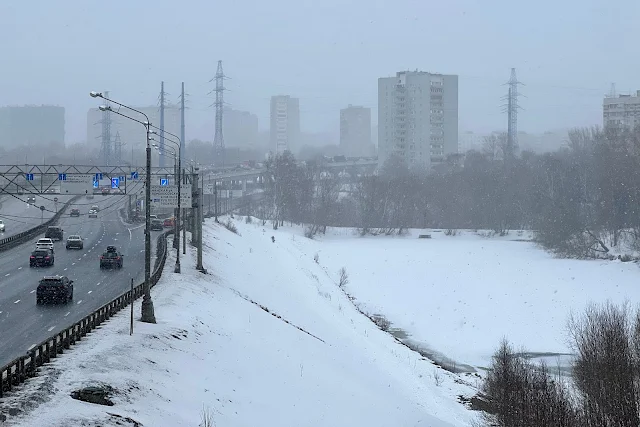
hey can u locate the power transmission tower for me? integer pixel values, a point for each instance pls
(105, 147)
(512, 108)
(117, 149)
(182, 141)
(218, 140)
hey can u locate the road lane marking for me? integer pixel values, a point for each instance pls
(68, 313)
(79, 301)
(73, 263)
(19, 268)
(31, 347)
(98, 284)
(8, 274)
(15, 302)
(51, 328)
(85, 254)
(65, 269)
(32, 291)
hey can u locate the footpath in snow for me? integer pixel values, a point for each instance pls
(267, 338)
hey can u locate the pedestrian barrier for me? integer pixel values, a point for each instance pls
(20, 369)
(20, 238)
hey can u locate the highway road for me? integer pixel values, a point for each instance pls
(19, 216)
(23, 324)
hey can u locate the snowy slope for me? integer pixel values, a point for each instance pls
(311, 360)
(458, 296)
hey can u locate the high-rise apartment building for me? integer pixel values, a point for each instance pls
(621, 111)
(355, 131)
(285, 124)
(131, 133)
(417, 117)
(31, 125)
(240, 128)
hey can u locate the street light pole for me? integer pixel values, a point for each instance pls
(148, 314)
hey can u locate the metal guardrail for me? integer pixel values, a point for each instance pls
(18, 239)
(24, 367)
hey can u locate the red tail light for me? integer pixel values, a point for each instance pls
(101, 257)
(32, 257)
(117, 257)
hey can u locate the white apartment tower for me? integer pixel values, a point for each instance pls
(417, 117)
(355, 131)
(623, 111)
(285, 124)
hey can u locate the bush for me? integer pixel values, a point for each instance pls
(248, 219)
(606, 374)
(344, 278)
(451, 232)
(229, 225)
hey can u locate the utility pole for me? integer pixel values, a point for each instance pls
(184, 215)
(198, 223)
(218, 140)
(161, 158)
(105, 146)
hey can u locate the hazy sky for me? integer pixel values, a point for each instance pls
(329, 53)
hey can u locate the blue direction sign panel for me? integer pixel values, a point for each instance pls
(134, 175)
(62, 177)
(115, 182)
(121, 178)
(28, 176)
(164, 181)
(98, 176)
(96, 184)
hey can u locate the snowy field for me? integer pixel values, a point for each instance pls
(265, 339)
(458, 296)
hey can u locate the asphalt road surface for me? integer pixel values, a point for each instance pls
(19, 216)
(23, 324)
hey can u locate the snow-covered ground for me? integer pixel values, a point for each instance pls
(458, 296)
(265, 339)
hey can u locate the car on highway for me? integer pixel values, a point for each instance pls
(157, 225)
(74, 242)
(54, 288)
(74, 212)
(31, 199)
(2, 226)
(54, 233)
(169, 222)
(41, 258)
(111, 258)
(95, 208)
(45, 243)
(93, 213)
(106, 191)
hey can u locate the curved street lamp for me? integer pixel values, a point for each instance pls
(147, 315)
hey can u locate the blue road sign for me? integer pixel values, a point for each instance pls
(62, 177)
(96, 184)
(115, 182)
(98, 176)
(28, 176)
(164, 181)
(134, 175)
(121, 178)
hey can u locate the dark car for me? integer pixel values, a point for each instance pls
(106, 191)
(74, 212)
(111, 258)
(54, 233)
(54, 288)
(41, 257)
(31, 199)
(157, 224)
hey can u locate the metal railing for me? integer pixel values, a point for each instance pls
(20, 369)
(20, 238)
